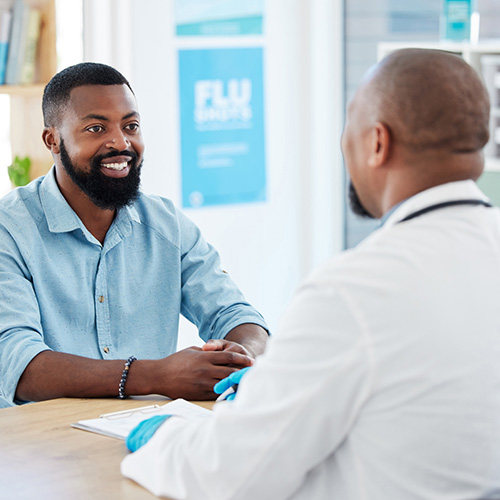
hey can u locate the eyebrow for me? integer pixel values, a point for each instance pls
(95, 116)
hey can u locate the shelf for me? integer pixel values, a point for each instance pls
(489, 45)
(22, 90)
(471, 52)
(26, 121)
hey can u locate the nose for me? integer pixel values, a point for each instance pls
(118, 140)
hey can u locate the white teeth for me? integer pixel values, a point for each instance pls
(115, 166)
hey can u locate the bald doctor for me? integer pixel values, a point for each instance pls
(383, 381)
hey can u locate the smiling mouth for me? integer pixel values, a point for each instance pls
(115, 166)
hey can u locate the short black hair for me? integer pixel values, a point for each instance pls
(57, 92)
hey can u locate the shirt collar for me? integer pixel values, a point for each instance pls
(389, 213)
(60, 216)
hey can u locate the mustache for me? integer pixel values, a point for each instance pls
(131, 154)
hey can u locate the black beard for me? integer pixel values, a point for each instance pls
(105, 192)
(356, 205)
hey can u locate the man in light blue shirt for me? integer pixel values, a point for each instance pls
(94, 274)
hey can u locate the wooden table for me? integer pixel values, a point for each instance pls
(43, 458)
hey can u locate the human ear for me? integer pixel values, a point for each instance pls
(380, 142)
(50, 138)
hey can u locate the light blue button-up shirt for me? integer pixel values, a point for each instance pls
(61, 289)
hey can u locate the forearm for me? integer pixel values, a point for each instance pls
(53, 374)
(252, 337)
(190, 374)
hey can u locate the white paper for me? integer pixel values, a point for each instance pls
(119, 424)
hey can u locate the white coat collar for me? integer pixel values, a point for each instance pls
(459, 190)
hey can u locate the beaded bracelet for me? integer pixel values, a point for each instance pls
(123, 380)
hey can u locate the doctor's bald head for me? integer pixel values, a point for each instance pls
(420, 118)
(430, 99)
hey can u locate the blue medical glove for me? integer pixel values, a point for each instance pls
(230, 382)
(144, 431)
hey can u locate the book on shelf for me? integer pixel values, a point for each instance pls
(5, 23)
(25, 31)
(27, 68)
(18, 16)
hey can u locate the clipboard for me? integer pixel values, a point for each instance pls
(119, 424)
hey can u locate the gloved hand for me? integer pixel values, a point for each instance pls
(232, 381)
(144, 431)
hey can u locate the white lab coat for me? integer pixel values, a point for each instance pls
(382, 383)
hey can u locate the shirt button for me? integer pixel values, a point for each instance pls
(101, 298)
(106, 350)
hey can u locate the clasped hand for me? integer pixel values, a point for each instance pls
(193, 372)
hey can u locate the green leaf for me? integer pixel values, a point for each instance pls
(19, 171)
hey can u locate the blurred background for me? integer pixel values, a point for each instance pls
(242, 107)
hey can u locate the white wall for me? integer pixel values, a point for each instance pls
(267, 247)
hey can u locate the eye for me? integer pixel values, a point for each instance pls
(132, 127)
(95, 129)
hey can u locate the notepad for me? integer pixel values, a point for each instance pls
(120, 423)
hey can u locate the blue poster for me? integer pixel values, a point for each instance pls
(219, 17)
(222, 126)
